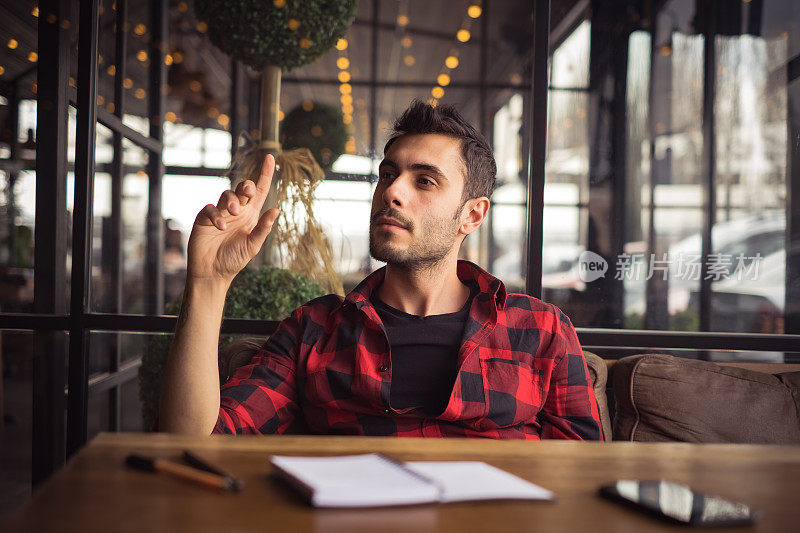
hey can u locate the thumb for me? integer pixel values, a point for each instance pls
(263, 227)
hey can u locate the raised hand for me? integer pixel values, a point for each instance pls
(227, 236)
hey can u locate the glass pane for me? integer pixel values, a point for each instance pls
(749, 274)
(194, 193)
(343, 208)
(134, 223)
(570, 65)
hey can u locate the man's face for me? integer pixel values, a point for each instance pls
(417, 204)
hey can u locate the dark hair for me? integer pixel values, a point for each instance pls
(421, 118)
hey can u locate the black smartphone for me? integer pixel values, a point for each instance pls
(678, 503)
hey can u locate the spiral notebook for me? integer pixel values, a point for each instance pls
(374, 480)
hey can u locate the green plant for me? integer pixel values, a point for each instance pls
(264, 293)
(319, 128)
(287, 34)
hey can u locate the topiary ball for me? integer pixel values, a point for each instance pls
(319, 128)
(264, 293)
(284, 33)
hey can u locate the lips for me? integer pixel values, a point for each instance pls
(388, 221)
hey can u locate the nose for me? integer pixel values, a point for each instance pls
(394, 193)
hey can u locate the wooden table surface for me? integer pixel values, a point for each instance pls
(96, 492)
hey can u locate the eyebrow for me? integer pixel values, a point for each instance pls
(433, 169)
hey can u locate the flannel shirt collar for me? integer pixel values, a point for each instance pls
(487, 289)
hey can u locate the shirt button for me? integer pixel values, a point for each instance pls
(387, 411)
(383, 368)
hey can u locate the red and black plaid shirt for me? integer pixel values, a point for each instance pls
(327, 369)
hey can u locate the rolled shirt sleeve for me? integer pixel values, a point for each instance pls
(570, 410)
(261, 397)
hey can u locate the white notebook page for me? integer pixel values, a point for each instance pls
(357, 481)
(475, 480)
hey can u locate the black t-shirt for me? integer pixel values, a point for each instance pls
(424, 352)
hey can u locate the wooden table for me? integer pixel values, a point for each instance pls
(96, 492)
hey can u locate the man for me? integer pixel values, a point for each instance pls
(427, 346)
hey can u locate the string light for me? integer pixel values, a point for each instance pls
(2, 70)
(308, 106)
(140, 29)
(343, 62)
(111, 70)
(127, 83)
(168, 59)
(402, 20)
(177, 57)
(409, 60)
(169, 116)
(195, 86)
(451, 61)
(110, 107)
(139, 93)
(202, 27)
(182, 7)
(33, 57)
(223, 120)
(406, 42)
(279, 3)
(305, 43)
(12, 44)
(293, 24)
(141, 55)
(35, 11)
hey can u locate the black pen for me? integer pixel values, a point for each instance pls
(190, 458)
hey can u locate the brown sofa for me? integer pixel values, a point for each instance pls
(664, 398)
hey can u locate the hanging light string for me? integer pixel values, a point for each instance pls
(346, 91)
(451, 62)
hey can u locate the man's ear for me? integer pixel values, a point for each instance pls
(473, 214)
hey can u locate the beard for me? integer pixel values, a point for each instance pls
(430, 241)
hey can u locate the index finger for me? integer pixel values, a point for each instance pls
(265, 179)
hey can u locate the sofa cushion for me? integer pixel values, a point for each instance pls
(598, 373)
(665, 398)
